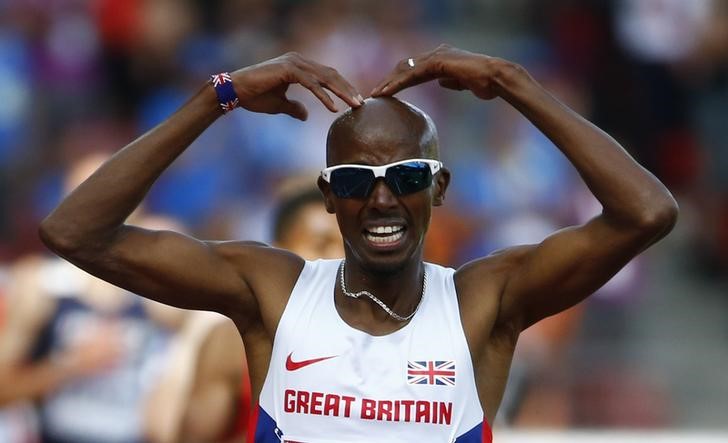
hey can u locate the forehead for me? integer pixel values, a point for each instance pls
(382, 131)
(374, 151)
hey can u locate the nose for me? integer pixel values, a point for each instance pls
(382, 197)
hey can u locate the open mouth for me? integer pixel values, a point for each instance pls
(384, 235)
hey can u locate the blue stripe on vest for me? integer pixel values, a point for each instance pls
(474, 435)
(266, 429)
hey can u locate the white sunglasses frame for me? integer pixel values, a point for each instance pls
(381, 171)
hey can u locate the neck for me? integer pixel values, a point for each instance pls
(400, 290)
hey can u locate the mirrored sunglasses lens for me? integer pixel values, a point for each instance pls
(408, 178)
(351, 182)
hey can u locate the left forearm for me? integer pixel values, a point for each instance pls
(628, 192)
(30, 382)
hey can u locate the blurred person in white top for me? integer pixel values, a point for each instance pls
(82, 350)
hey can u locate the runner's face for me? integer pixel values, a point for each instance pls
(408, 216)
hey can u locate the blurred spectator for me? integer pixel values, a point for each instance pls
(662, 30)
(207, 374)
(83, 350)
(18, 422)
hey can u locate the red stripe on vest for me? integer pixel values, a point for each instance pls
(487, 432)
(252, 424)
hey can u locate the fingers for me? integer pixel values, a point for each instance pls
(317, 78)
(336, 83)
(313, 85)
(403, 68)
(408, 72)
(444, 63)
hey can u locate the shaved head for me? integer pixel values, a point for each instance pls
(382, 131)
(383, 123)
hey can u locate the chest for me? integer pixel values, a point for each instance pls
(415, 363)
(328, 381)
(325, 375)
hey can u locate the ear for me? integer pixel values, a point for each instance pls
(442, 180)
(323, 185)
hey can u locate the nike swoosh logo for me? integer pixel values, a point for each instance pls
(296, 365)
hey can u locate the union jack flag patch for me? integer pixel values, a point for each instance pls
(226, 96)
(431, 372)
(219, 79)
(229, 106)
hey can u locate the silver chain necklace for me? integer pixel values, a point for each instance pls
(386, 308)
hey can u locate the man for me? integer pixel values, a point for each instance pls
(85, 352)
(381, 347)
(207, 380)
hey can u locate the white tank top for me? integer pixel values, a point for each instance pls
(328, 382)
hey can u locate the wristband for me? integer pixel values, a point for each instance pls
(226, 96)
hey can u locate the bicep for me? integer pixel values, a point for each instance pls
(565, 268)
(174, 269)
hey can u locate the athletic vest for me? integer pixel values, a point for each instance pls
(328, 382)
(108, 406)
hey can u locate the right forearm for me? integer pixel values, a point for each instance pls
(92, 212)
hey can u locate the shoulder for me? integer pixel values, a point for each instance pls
(492, 270)
(269, 273)
(259, 261)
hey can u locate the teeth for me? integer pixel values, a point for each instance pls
(385, 229)
(388, 239)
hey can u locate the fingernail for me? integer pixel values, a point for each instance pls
(361, 99)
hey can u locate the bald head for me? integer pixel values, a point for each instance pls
(383, 129)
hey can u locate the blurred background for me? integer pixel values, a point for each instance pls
(81, 78)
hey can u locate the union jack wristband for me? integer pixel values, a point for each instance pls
(226, 95)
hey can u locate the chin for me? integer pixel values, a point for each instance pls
(386, 266)
(385, 262)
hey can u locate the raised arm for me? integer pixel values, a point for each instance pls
(88, 228)
(541, 280)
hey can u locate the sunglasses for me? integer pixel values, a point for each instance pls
(402, 177)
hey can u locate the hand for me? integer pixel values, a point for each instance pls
(452, 67)
(99, 350)
(262, 87)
